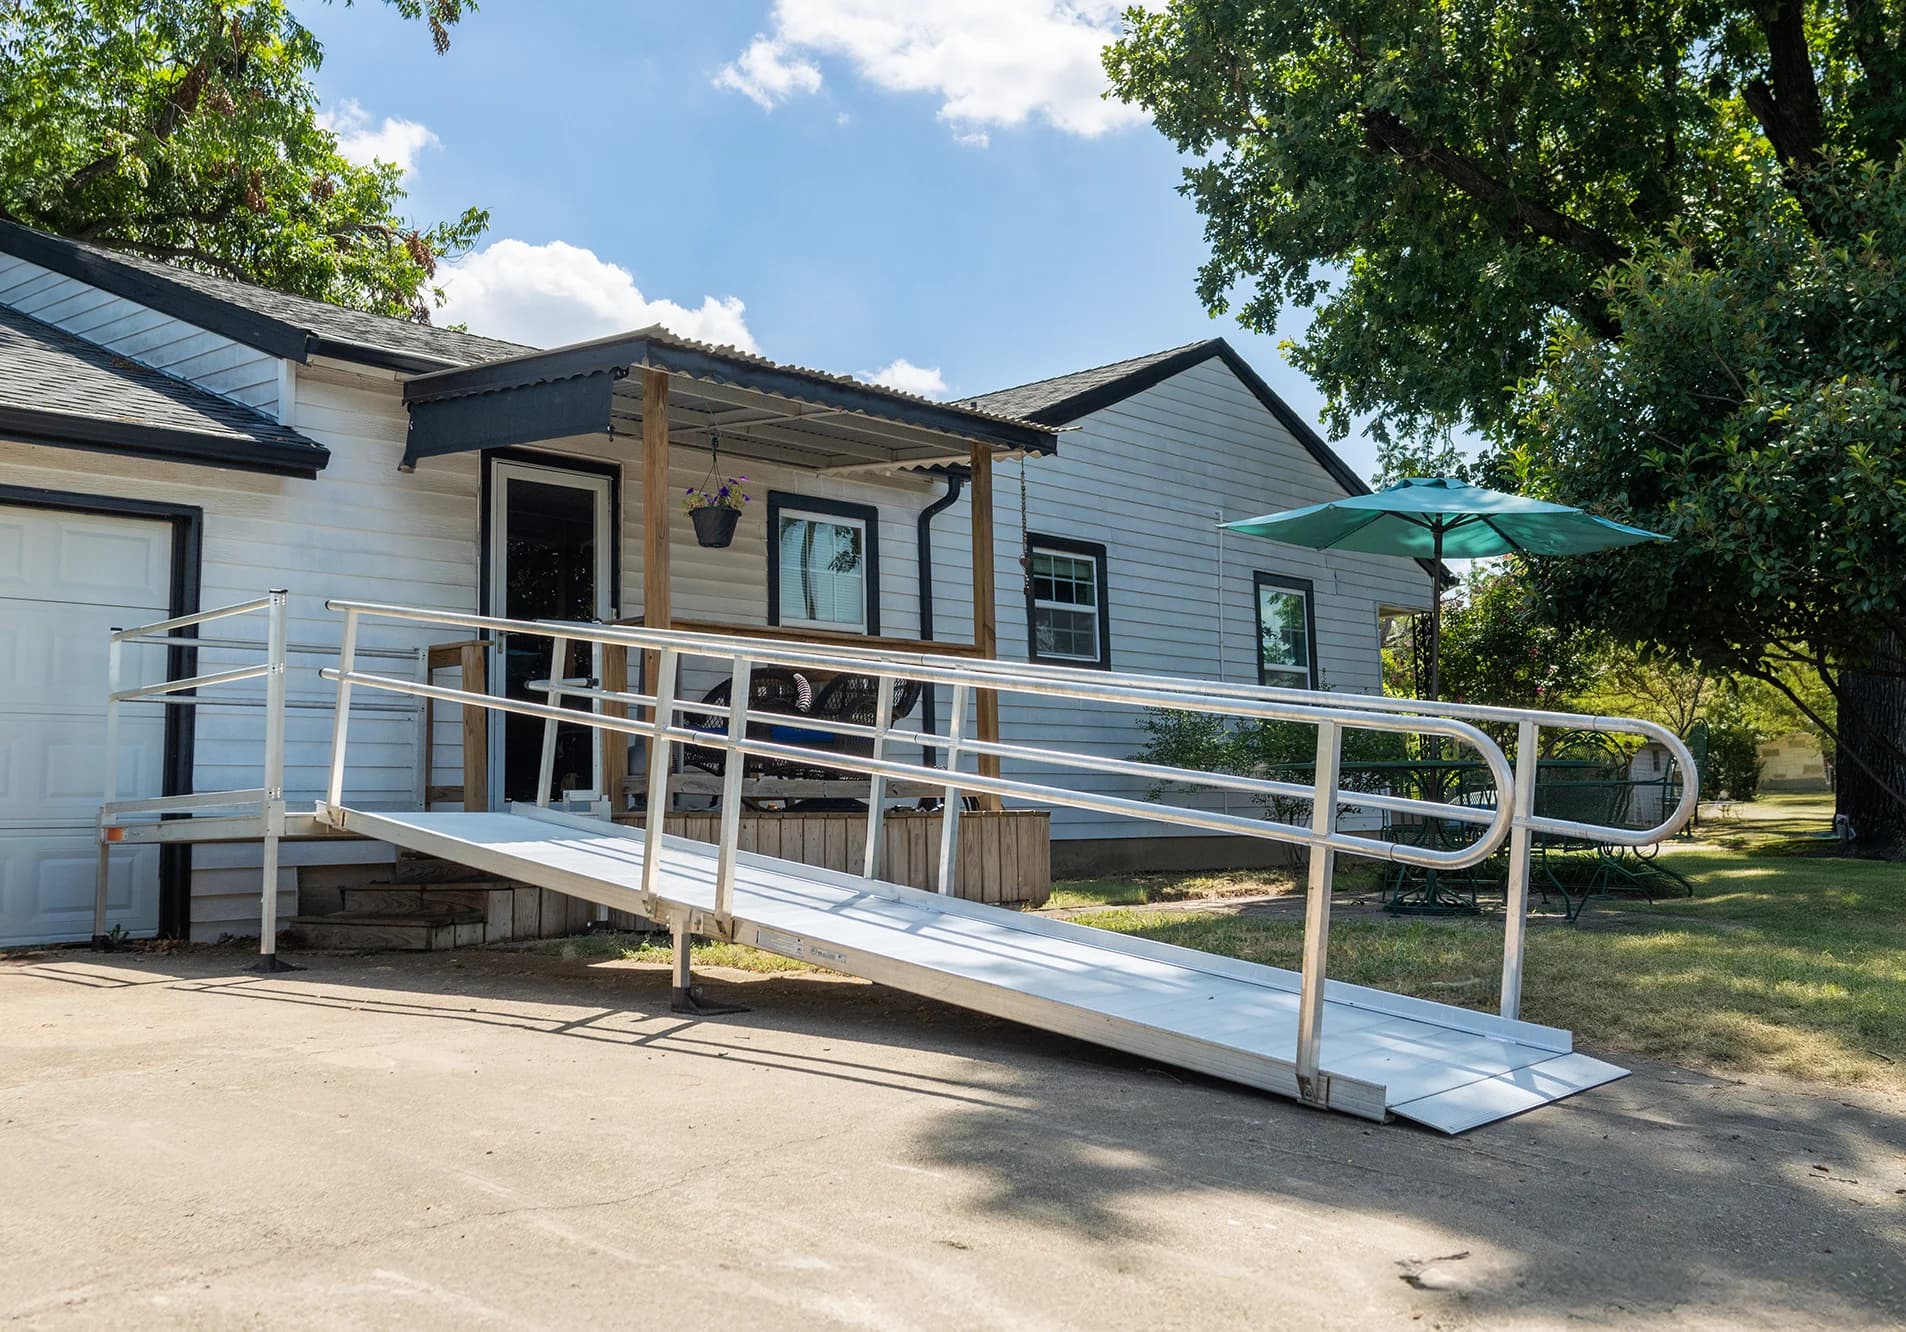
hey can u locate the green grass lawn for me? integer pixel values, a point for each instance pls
(1785, 960)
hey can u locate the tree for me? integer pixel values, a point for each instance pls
(187, 131)
(1606, 238)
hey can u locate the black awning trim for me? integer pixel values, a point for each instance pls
(500, 418)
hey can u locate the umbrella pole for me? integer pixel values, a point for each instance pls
(1436, 613)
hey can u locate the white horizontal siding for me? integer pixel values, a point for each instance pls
(1150, 478)
(137, 332)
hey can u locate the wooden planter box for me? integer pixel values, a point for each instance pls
(1005, 855)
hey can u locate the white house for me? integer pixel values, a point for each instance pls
(171, 440)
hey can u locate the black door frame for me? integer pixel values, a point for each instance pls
(188, 526)
(485, 555)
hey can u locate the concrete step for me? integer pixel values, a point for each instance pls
(421, 931)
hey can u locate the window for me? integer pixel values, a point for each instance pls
(823, 564)
(1286, 630)
(1065, 602)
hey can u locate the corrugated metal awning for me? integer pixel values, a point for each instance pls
(762, 410)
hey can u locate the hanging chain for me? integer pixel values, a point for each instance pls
(714, 463)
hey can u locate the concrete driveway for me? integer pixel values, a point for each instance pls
(498, 1139)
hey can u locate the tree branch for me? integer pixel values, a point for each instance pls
(190, 254)
(1384, 132)
(1787, 102)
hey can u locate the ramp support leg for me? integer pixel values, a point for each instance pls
(683, 997)
(1312, 1087)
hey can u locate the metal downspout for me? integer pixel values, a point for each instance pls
(955, 483)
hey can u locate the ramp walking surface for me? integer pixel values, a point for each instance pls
(1447, 1067)
(508, 1140)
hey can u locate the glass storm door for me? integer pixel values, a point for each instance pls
(552, 551)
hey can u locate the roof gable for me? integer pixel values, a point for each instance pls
(1066, 398)
(293, 327)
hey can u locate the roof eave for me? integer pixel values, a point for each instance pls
(163, 444)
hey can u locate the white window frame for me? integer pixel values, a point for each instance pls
(839, 514)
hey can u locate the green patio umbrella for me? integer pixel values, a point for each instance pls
(1437, 518)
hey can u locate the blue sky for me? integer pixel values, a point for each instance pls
(845, 183)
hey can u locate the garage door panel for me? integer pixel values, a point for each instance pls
(115, 565)
(85, 558)
(55, 771)
(46, 884)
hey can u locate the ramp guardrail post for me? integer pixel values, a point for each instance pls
(950, 806)
(660, 748)
(104, 870)
(1323, 864)
(1515, 904)
(341, 723)
(273, 805)
(733, 769)
(546, 769)
(877, 784)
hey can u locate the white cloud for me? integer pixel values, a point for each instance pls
(904, 375)
(394, 141)
(767, 74)
(991, 62)
(548, 295)
(977, 139)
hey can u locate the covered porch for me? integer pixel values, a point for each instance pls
(833, 465)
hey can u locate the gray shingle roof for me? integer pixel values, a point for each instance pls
(333, 323)
(62, 386)
(336, 330)
(1066, 398)
(1040, 398)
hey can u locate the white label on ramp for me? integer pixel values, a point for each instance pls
(793, 945)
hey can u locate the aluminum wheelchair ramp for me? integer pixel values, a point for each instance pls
(1382, 1054)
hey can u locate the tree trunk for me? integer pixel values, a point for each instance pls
(1872, 707)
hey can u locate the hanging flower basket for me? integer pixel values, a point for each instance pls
(715, 505)
(714, 526)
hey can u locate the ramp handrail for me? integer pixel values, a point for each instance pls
(1322, 837)
(1526, 823)
(178, 636)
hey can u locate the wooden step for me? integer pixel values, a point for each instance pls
(411, 867)
(411, 897)
(414, 931)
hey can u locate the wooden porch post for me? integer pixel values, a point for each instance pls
(985, 612)
(657, 607)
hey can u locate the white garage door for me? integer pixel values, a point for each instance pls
(65, 580)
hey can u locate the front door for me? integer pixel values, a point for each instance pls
(552, 557)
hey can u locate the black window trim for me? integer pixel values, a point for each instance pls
(865, 514)
(1095, 551)
(1285, 583)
